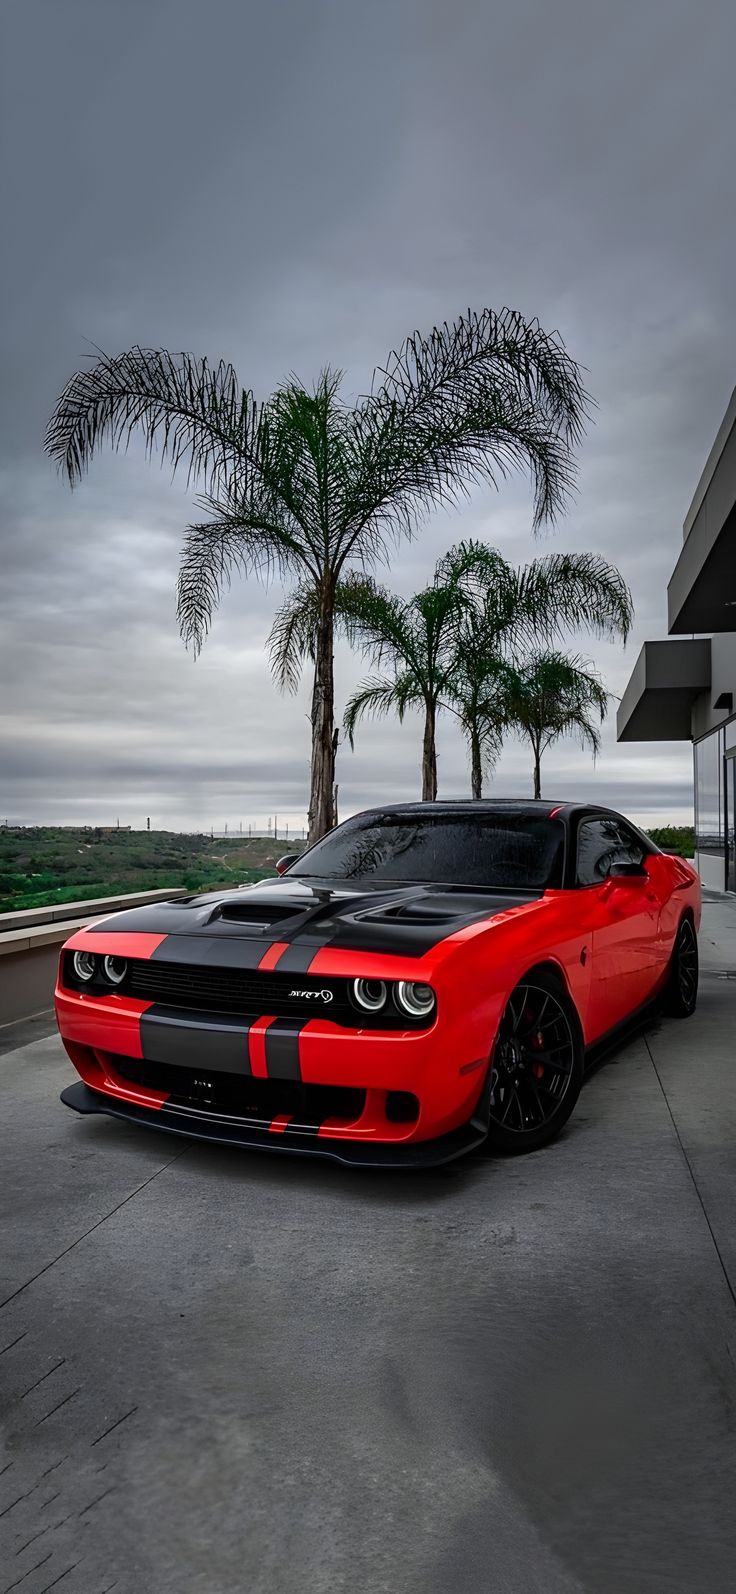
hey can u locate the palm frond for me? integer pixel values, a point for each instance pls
(376, 621)
(378, 697)
(581, 591)
(212, 551)
(490, 394)
(292, 637)
(190, 412)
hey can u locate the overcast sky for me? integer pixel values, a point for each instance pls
(303, 182)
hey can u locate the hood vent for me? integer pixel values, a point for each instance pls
(415, 912)
(259, 914)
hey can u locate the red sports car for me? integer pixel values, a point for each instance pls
(426, 978)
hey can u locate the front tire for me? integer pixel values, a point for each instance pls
(681, 995)
(536, 1066)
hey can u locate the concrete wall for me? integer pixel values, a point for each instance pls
(712, 870)
(31, 940)
(27, 982)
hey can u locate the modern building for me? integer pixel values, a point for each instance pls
(685, 689)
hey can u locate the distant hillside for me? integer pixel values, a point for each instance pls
(48, 864)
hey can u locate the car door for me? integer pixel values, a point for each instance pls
(623, 915)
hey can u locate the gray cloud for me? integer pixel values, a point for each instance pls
(292, 185)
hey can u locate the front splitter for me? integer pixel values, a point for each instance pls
(176, 1120)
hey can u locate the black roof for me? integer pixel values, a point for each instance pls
(517, 805)
(529, 807)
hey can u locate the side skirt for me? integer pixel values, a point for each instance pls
(622, 1032)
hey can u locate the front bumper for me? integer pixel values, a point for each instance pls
(175, 1119)
(152, 1058)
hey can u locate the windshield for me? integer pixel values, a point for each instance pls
(493, 850)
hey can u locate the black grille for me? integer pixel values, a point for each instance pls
(244, 1097)
(221, 990)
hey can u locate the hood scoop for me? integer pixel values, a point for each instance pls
(257, 915)
(415, 912)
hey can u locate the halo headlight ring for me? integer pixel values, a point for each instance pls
(84, 965)
(114, 968)
(370, 995)
(414, 998)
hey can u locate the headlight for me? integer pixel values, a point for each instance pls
(85, 965)
(414, 999)
(370, 994)
(115, 969)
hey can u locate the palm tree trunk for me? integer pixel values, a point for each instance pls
(429, 755)
(322, 786)
(476, 766)
(537, 769)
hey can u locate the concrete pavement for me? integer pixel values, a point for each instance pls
(222, 1372)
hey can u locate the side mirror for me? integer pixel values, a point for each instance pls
(286, 862)
(627, 871)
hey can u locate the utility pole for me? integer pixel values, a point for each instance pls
(148, 824)
(276, 828)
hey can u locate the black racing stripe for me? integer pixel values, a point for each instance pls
(282, 1048)
(154, 918)
(299, 954)
(212, 1041)
(392, 940)
(239, 953)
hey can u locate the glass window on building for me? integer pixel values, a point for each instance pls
(709, 831)
(730, 768)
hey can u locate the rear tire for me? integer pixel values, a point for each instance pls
(681, 993)
(536, 1066)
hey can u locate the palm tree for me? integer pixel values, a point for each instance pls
(306, 485)
(549, 695)
(414, 639)
(476, 697)
(507, 609)
(450, 645)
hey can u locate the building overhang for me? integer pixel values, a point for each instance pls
(701, 595)
(665, 681)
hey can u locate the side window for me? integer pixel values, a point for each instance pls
(631, 847)
(602, 842)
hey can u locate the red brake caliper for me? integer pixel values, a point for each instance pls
(537, 1042)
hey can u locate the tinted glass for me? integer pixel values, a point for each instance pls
(602, 842)
(730, 768)
(496, 851)
(708, 793)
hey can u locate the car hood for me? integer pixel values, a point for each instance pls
(240, 925)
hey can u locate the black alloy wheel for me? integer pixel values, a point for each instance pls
(682, 986)
(536, 1067)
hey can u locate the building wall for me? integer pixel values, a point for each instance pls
(714, 760)
(723, 679)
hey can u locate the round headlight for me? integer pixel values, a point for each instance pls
(115, 969)
(415, 999)
(85, 965)
(370, 994)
